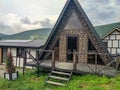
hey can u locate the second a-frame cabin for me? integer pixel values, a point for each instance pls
(74, 32)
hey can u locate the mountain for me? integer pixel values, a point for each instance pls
(42, 33)
(1, 35)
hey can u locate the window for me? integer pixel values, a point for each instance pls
(113, 51)
(19, 52)
(118, 50)
(109, 43)
(117, 36)
(115, 43)
(109, 50)
(112, 36)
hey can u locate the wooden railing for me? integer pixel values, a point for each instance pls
(95, 70)
(36, 59)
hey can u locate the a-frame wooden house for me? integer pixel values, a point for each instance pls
(75, 47)
(74, 32)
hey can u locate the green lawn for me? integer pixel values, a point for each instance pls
(85, 82)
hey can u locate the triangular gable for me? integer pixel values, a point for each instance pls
(107, 34)
(74, 22)
(71, 8)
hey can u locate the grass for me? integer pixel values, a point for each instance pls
(85, 82)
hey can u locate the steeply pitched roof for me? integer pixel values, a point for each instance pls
(70, 6)
(63, 19)
(102, 30)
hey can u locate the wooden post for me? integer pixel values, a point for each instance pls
(53, 59)
(37, 58)
(96, 63)
(74, 60)
(24, 61)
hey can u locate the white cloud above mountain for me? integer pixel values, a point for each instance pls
(19, 15)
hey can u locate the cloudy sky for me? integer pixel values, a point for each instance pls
(21, 15)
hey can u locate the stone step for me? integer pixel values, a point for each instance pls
(55, 83)
(59, 78)
(63, 73)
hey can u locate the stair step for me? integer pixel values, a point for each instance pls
(63, 73)
(60, 78)
(55, 83)
(48, 89)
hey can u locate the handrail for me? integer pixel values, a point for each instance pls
(34, 59)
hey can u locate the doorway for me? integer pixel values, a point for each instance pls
(71, 46)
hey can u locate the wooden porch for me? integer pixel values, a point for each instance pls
(82, 68)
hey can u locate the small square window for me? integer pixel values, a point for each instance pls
(115, 43)
(109, 43)
(118, 37)
(112, 37)
(118, 50)
(113, 50)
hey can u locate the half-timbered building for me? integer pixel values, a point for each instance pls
(110, 35)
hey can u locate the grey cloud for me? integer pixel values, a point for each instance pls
(5, 28)
(46, 23)
(26, 20)
(102, 11)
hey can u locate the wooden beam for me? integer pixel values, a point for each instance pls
(74, 60)
(37, 58)
(95, 63)
(24, 61)
(53, 59)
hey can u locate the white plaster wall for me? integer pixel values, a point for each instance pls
(113, 42)
(19, 61)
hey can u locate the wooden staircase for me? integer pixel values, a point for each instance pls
(59, 77)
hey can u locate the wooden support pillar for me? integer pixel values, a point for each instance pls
(24, 61)
(37, 58)
(74, 60)
(96, 63)
(53, 59)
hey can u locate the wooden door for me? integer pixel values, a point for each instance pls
(71, 46)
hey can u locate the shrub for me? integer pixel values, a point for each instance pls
(9, 64)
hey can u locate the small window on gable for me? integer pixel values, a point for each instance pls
(112, 37)
(19, 52)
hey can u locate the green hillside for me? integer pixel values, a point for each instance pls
(43, 33)
(1, 34)
(30, 34)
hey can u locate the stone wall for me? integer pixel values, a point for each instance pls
(82, 44)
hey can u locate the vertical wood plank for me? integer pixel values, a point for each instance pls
(96, 63)
(53, 59)
(24, 61)
(74, 60)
